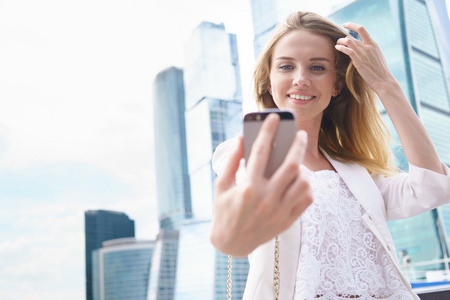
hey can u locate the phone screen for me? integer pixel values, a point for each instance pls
(281, 143)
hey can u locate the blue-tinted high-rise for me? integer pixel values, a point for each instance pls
(164, 266)
(266, 15)
(172, 177)
(213, 115)
(100, 226)
(121, 269)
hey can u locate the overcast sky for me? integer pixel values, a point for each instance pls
(76, 125)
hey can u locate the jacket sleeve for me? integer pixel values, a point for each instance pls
(221, 157)
(407, 195)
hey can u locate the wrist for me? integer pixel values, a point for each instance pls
(387, 87)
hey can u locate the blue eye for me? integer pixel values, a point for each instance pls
(317, 68)
(286, 67)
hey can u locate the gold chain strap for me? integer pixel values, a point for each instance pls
(230, 265)
(276, 270)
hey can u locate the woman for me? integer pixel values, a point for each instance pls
(340, 247)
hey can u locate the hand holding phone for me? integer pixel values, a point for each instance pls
(255, 209)
(280, 144)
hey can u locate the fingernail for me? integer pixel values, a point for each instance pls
(272, 117)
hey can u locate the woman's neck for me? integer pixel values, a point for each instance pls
(312, 129)
(314, 159)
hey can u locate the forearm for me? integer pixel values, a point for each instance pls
(417, 145)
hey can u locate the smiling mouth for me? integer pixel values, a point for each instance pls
(300, 97)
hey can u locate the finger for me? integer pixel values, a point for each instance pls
(361, 31)
(289, 169)
(306, 199)
(347, 50)
(348, 41)
(228, 176)
(300, 189)
(260, 151)
(297, 199)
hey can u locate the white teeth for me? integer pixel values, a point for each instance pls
(298, 97)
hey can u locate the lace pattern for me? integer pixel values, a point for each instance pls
(340, 258)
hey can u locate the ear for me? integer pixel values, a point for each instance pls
(338, 86)
(270, 90)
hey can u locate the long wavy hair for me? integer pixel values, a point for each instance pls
(352, 129)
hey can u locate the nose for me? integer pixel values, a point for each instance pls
(301, 78)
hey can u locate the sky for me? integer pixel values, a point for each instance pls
(76, 125)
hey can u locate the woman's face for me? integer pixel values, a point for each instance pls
(302, 74)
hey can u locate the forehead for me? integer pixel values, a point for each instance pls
(302, 44)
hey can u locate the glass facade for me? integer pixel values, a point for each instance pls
(202, 270)
(440, 18)
(100, 226)
(213, 115)
(266, 15)
(164, 266)
(208, 124)
(173, 186)
(213, 105)
(121, 269)
(404, 32)
(211, 65)
(196, 259)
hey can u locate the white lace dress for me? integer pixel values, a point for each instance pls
(340, 258)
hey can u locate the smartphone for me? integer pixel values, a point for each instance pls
(282, 141)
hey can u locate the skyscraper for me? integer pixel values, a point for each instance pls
(164, 266)
(404, 32)
(100, 226)
(213, 105)
(121, 269)
(266, 15)
(213, 115)
(439, 13)
(173, 187)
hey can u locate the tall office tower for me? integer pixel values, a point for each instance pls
(172, 177)
(100, 226)
(266, 15)
(164, 266)
(404, 32)
(197, 278)
(439, 13)
(213, 115)
(121, 269)
(213, 105)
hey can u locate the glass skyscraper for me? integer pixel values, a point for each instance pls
(213, 105)
(100, 226)
(213, 115)
(202, 271)
(172, 180)
(121, 268)
(441, 23)
(164, 266)
(266, 15)
(405, 33)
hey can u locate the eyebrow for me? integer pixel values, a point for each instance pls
(312, 59)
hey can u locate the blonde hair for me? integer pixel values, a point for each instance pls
(352, 129)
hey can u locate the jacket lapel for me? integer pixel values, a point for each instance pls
(360, 183)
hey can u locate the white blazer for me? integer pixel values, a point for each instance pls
(383, 199)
